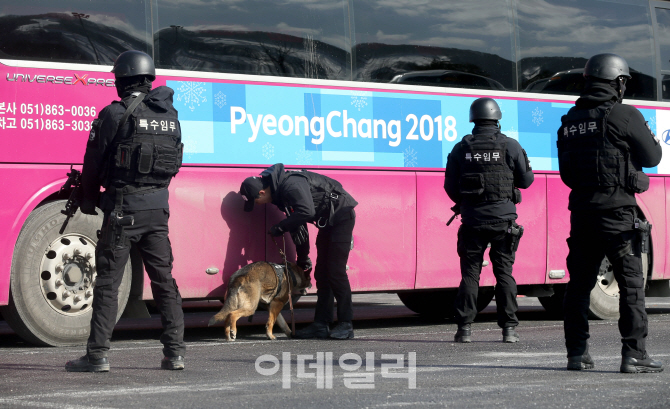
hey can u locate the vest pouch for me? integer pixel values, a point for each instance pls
(123, 154)
(638, 182)
(472, 184)
(180, 154)
(166, 163)
(145, 159)
(516, 196)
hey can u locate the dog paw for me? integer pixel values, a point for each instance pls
(271, 337)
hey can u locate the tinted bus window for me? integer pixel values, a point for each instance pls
(663, 41)
(79, 31)
(469, 41)
(291, 38)
(557, 37)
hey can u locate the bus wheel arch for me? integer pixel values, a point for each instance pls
(52, 277)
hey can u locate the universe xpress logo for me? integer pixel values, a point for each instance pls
(75, 79)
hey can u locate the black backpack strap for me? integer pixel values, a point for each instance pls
(138, 100)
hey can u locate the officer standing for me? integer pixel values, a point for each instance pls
(308, 197)
(134, 149)
(602, 147)
(483, 173)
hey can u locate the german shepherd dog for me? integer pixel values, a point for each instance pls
(256, 283)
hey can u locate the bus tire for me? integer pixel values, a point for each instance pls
(605, 294)
(440, 303)
(52, 278)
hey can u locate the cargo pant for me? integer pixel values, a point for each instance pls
(333, 244)
(594, 235)
(149, 234)
(472, 243)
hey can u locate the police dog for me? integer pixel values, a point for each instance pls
(259, 283)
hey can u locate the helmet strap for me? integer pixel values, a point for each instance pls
(621, 88)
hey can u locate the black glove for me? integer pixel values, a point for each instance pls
(88, 207)
(306, 265)
(276, 231)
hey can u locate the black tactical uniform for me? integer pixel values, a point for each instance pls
(482, 174)
(309, 197)
(602, 147)
(134, 149)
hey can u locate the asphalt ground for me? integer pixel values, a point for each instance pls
(254, 372)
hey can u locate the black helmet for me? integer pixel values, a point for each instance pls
(607, 67)
(132, 63)
(484, 108)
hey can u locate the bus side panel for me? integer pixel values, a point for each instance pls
(652, 203)
(531, 259)
(558, 224)
(384, 253)
(438, 261)
(23, 187)
(49, 112)
(209, 229)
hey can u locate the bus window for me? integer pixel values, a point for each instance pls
(663, 43)
(261, 37)
(75, 31)
(556, 39)
(471, 40)
(446, 78)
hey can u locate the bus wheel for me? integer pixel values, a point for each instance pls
(53, 276)
(605, 295)
(440, 303)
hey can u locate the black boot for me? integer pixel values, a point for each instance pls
(510, 335)
(646, 364)
(317, 329)
(580, 362)
(343, 330)
(85, 364)
(463, 334)
(172, 363)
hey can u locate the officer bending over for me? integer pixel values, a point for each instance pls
(134, 150)
(483, 173)
(308, 197)
(602, 147)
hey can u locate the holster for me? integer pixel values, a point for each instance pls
(516, 232)
(113, 232)
(643, 229)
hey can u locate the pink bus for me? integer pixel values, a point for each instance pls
(372, 93)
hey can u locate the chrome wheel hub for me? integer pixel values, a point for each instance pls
(68, 274)
(606, 280)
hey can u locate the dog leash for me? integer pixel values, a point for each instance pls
(282, 252)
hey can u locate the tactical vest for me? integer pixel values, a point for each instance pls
(485, 174)
(326, 194)
(586, 157)
(152, 154)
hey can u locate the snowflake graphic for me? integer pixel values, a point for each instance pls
(512, 133)
(652, 124)
(191, 93)
(410, 156)
(303, 157)
(220, 99)
(268, 150)
(537, 116)
(359, 100)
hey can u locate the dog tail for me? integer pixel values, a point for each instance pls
(229, 305)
